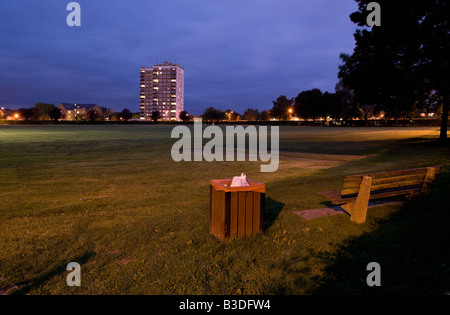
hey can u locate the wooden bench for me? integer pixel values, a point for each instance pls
(359, 189)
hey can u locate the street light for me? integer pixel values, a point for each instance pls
(290, 111)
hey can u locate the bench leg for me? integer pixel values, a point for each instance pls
(422, 198)
(358, 208)
(428, 181)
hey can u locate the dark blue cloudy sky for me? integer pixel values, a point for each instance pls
(236, 53)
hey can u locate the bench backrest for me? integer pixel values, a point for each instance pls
(411, 179)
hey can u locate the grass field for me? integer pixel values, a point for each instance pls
(112, 199)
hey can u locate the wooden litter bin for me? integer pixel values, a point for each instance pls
(236, 211)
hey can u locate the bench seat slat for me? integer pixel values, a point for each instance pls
(422, 170)
(402, 189)
(339, 199)
(393, 185)
(387, 180)
(330, 194)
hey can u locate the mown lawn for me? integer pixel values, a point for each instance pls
(112, 199)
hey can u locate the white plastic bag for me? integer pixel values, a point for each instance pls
(240, 181)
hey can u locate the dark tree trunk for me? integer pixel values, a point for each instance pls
(444, 119)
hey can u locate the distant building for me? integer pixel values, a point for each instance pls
(78, 111)
(162, 89)
(9, 114)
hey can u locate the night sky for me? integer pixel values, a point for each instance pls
(236, 53)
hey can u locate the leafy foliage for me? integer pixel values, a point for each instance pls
(155, 115)
(281, 106)
(398, 64)
(251, 114)
(184, 116)
(126, 114)
(213, 114)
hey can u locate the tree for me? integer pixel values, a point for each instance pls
(92, 115)
(331, 106)
(397, 64)
(281, 106)
(43, 110)
(346, 98)
(55, 114)
(184, 116)
(28, 113)
(265, 115)
(114, 117)
(309, 104)
(107, 113)
(251, 114)
(155, 115)
(126, 114)
(213, 114)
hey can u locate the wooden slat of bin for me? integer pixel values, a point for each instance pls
(218, 213)
(210, 207)
(249, 212)
(212, 212)
(257, 212)
(227, 215)
(234, 215)
(241, 213)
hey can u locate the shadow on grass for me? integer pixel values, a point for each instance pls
(27, 286)
(272, 210)
(368, 147)
(411, 246)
